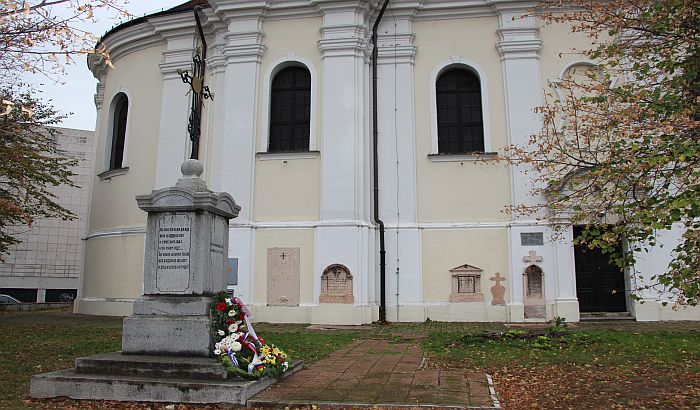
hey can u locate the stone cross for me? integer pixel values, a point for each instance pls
(532, 258)
(498, 290)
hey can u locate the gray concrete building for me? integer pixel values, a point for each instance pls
(45, 266)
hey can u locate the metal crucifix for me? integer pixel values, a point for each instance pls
(200, 92)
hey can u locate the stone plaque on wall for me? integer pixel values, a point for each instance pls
(466, 284)
(283, 266)
(173, 265)
(336, 285)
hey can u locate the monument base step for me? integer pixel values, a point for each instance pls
(200, 368)
(118, 387)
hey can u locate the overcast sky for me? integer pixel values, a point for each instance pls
(76, 93)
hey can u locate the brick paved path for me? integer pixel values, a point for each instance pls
(378, 372)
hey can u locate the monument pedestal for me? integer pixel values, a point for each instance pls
(167, 345)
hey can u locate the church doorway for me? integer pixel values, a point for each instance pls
(600, 284)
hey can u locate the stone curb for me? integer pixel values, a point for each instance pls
(329, 405)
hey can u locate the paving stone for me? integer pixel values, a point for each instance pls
(371, 372)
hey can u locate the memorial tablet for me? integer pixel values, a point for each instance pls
(173, 267)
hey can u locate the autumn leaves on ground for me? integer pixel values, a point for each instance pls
(584, 366)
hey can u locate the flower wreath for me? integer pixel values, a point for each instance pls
(237, 347)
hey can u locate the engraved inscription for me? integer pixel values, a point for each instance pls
(336, 285)
(173, 263)
(466, 284)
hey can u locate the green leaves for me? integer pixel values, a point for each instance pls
(620, 144)
(31, 163)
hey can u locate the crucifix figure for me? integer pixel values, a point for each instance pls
(200, 92)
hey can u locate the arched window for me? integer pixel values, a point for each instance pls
(120, 110)
(290, 110)
(460, 121)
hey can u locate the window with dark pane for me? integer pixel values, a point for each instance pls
(459, 117)
(290, 110)
(121, 110)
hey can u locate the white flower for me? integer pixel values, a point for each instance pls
(236, 347)
(221, 333)
(285, 366)
(232, 313)
(217, 351)
(232, 328)
(228, 301)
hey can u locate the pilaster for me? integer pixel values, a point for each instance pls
(519, 47)
(235, 64)
(397, 159)
(345, 234)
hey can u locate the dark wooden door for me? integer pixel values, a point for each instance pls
(600, 284)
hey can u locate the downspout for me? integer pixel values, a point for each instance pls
(375, 135)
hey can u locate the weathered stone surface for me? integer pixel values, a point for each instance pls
(69, 383)
(336, 285)
(200, 368)
(167, 335)
(283, 267)
(88, 386)
(172, 305)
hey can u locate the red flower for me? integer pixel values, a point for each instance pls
(261, 340)
(229, 322)
(221, 306)
(241, 316)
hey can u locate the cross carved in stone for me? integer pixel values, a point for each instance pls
(532, 258)
(497, 278)
(283, 255)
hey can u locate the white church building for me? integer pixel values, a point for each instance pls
(290, 135)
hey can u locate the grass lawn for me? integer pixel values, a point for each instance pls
(40, 342)
(581, 368)
(631, 365)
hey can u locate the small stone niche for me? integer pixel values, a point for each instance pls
(466, 284)
(533, 284)
(336, 285)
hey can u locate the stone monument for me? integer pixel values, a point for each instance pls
(166, 344)
(185, 260)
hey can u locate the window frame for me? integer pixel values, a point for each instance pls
(111, 124)
(274, 68)
(464, 64)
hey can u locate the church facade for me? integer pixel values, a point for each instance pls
(289, 134)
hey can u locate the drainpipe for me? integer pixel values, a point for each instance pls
(375, 135)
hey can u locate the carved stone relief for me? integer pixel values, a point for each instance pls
(466, 284)
(336, 285)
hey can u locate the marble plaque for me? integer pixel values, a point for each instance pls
(336, 285)
(173, 264)
(283, 266)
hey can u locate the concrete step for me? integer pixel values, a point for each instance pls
(605, 316)
(152, 366)
(91, 386)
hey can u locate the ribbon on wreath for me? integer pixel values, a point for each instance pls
(256, 362)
